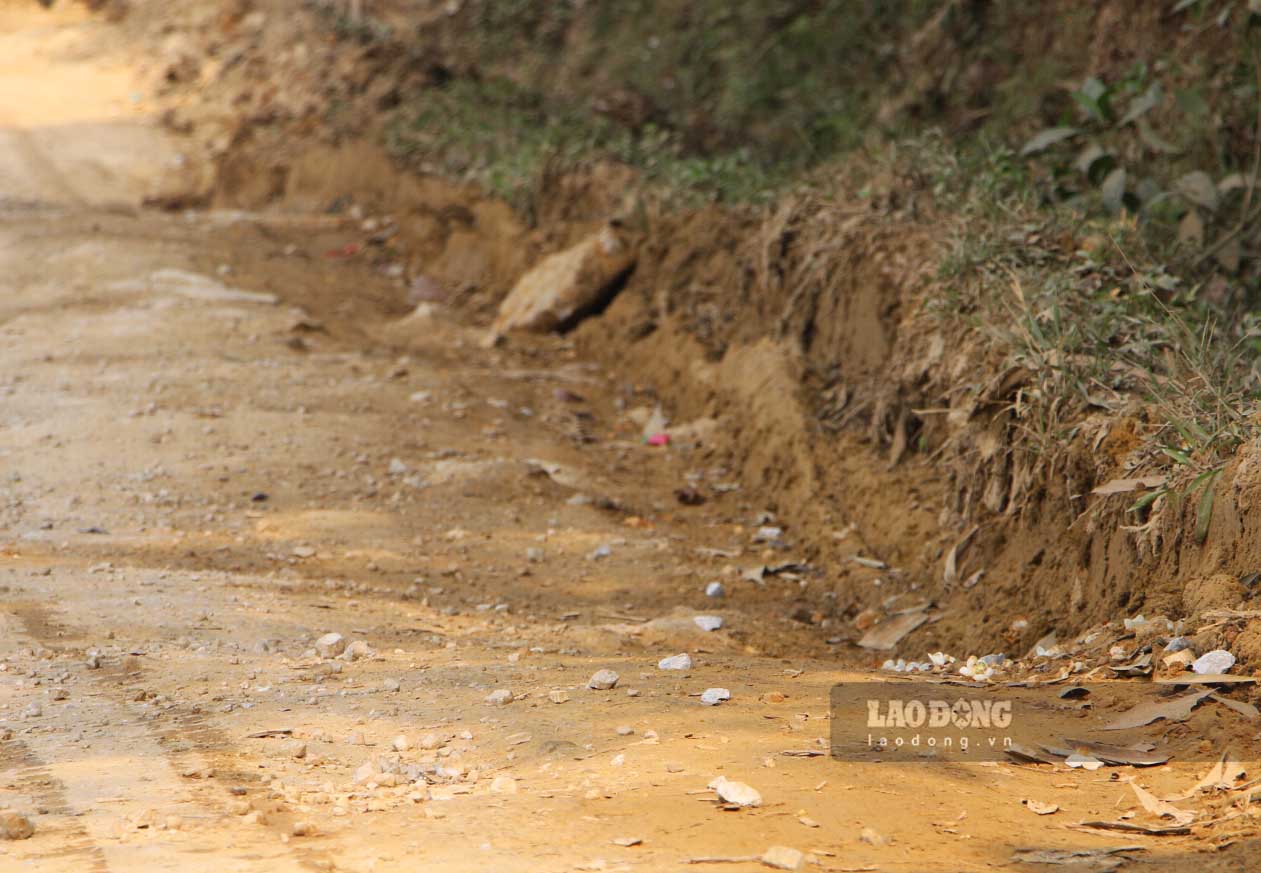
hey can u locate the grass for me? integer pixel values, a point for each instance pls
(504, 138)
(1093, 312)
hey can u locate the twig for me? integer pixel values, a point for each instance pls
(729, 859)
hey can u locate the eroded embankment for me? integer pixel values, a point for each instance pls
(873, 423)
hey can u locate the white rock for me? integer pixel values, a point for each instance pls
(503, 784)
(356, 651)
(499, 697)
(715, 589)
(676, 662)
(715, 696)
(736, 792)
(708, 622)
(400, 743)
(391, 685)
(1216, 661)
(330, 645)
(558, 695)
(603, 680)
(366, 772)
(430, 742)
(1085, 762)
(783, 858)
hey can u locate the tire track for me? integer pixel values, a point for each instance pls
(32, 779)
(184, 741)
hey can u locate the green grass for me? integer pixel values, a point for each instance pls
(504, 138)
(1093, 312)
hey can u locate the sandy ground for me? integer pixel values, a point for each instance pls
(218, 444)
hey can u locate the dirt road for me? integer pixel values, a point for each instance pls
(221, 440)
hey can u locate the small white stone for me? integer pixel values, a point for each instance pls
(783, 858)
(708, 622)
(503, 784)
(499, 697)
(356, 651)
(400, 743)
(736, 792)
(676, 662)
(715, 589)
(330, 645)
(391, 685)
(715, 696)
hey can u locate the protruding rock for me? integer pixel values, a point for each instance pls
(563, 287)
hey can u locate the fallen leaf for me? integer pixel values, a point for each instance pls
(1207, 679)
(1224, 774)
(951, 573)
(1127, 486)
(1140, 666)
(1130, 827)
(1026, 755)
(1116, 755)
(1240, 706)
(886, 635)
(1178, 709)
(1161, 808)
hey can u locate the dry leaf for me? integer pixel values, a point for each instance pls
(1207, 679)
(1117, 755)
(1161, 808)
(951, 573)
(1224, 774)
(1178, 709)
(1130, 827)
(1127, 486)
(1247, 710)
(884, 636)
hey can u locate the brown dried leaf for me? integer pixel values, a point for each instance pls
(1177, 709)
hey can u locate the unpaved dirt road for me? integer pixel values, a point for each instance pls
(218, 443)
